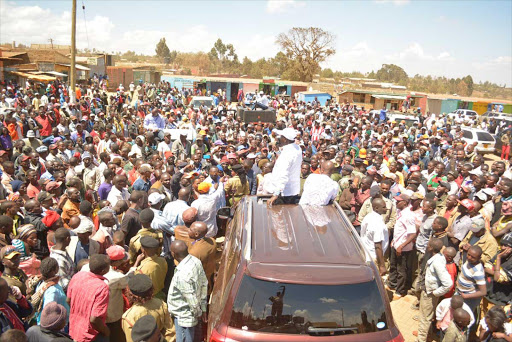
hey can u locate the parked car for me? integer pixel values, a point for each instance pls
(494, 115)
(408, 119)
(462, 113)
(205, 101)
(485, 141)
(295, 273)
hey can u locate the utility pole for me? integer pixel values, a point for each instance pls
(51, 42)
(72, 71)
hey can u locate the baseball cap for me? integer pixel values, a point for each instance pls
(402, 197)
(8, 252)
(417, 195)
(53, 185)
(31, 134)
(288, 133)
(155, 198)
(445, 185)
(414, 168)
(116, 252)
(467, 203)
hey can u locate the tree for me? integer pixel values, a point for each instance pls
(223, 56)
(327, 73)
(392, 73)
(462, 88)
(162, 50)
(469, 82)
(307, 47)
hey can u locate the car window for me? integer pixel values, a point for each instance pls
(471, 113)
(467, 134)
(484, 136)
(274, 307)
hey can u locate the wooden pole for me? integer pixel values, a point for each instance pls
(72, 71)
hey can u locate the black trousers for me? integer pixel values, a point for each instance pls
(287, 199)
(398, 271)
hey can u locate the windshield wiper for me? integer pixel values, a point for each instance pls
(330, 331)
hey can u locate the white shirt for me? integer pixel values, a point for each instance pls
(374, 230)
(115, 195)
(207, 206)
(319, 189)
(444, 306)
(286, 172)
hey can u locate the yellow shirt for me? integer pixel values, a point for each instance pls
(154, 307)
(239, 188)
(155, 267)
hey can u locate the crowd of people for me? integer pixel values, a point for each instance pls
(109, 227)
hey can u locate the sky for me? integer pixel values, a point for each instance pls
(438, 38)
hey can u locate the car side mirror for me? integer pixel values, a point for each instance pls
(224, 213)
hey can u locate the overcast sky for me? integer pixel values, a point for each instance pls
(450, 38)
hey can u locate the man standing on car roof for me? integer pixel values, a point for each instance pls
(286, 172)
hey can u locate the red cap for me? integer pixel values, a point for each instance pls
(414, 168)
(467, 203)
(116, 252)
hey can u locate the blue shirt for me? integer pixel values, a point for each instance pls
(382, 116)
(81, 252)
(154, 122)
(140, 185)
(54, 293)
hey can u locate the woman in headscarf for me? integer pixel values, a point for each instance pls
(19, 190)
(25, 242)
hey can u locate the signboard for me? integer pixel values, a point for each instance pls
(92, 61)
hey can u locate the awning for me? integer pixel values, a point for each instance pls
(77, 66)
(33, 77)
(389, 97)
(55, 73)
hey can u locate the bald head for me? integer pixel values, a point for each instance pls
(327, 168)
(461, 317)
(184, 194)
(198, 230)
(179, 250)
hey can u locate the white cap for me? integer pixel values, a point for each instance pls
(155, 198)
(476, 172)
(288, 133)
(85, 226)
(31, 134)
(251, 156)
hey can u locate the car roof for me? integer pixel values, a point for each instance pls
(201, 98)
(474, 129)
(297, 234)
(403, 116)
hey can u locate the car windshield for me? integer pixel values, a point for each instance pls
(484, 136)
(316, 310)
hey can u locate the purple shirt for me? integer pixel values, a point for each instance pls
(103, 190)
(6, 141)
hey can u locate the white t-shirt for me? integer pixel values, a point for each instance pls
(319, 190)
(163, 147)
(373, 229)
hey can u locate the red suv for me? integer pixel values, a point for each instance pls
(297, 273)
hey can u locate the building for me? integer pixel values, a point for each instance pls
(96, 63)
(311, 95)
(232, 85)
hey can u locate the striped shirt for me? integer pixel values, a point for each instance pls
(188, 291)
(470, 277)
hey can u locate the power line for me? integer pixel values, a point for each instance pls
(85, 23)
